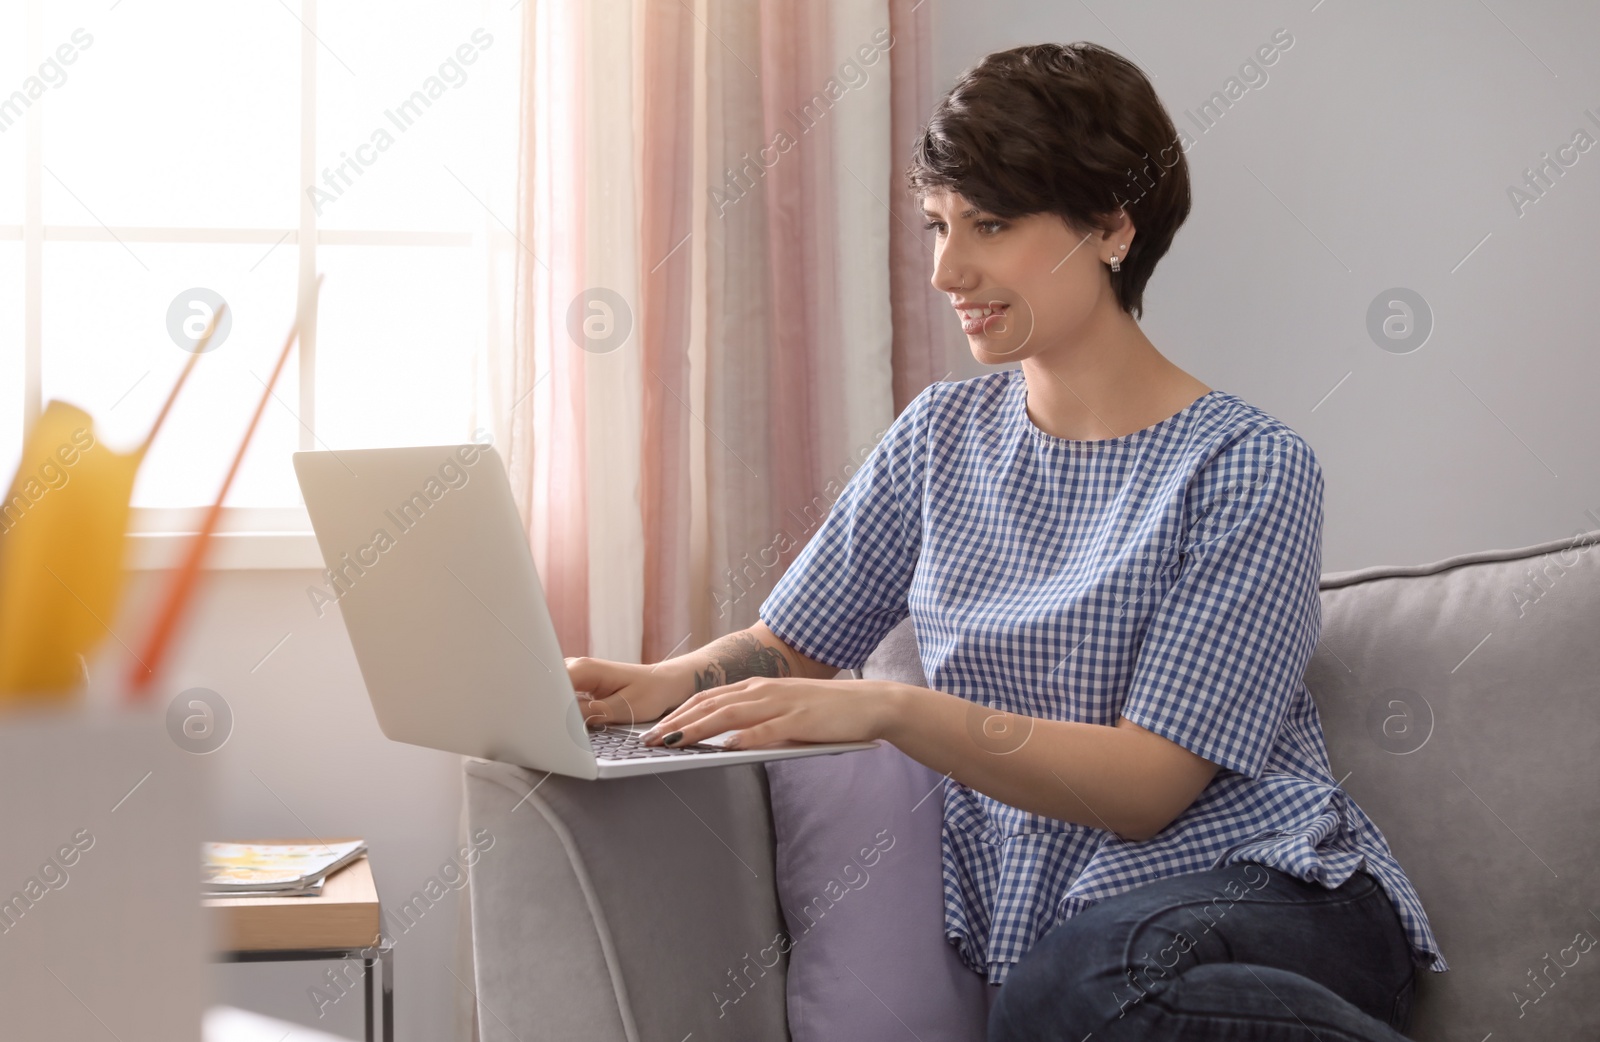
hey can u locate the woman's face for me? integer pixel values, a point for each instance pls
(1022, 288)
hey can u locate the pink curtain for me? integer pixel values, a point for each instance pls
(667, 218)
(546, 456)
(776, 282)
(922, 318)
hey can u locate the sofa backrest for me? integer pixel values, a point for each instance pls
(1460, 706)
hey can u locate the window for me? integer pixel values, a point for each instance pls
(151, 150)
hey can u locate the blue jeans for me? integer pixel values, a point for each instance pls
(1243, 952)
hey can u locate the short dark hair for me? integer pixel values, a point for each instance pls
(1068, 129)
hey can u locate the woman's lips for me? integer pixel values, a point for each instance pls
(988, 321)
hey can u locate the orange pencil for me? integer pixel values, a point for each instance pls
(181, 590)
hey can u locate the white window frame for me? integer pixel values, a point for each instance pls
(249, 537)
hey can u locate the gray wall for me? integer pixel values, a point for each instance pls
(1377, 152)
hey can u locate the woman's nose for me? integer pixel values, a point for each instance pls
(947, 277)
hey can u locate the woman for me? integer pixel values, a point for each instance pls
(1113, 575)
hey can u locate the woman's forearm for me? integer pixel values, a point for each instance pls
(752, 652)
(1123, 779)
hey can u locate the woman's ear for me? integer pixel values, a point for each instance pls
(1118, 231)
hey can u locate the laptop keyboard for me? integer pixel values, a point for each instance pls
(621, 744)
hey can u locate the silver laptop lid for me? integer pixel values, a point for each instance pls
(431, 569)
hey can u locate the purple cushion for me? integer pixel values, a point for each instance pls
(858, 879)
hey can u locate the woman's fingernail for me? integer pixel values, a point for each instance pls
(673, 738)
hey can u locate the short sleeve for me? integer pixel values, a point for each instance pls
(848, 586)
(1225, 651)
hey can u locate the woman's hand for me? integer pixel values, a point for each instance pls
(768, 710)
(625, 693)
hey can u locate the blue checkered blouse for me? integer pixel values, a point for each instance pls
(1169, 576)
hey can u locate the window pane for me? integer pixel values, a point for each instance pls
(107, 349)
(10, 360)
(427, 100)
(174, 113)
(398, 330)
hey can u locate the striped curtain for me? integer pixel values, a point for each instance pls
(722, 297)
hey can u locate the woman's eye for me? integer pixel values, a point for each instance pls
(992, 227)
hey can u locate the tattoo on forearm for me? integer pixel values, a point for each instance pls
(737, 657)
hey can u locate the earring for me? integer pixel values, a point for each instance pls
(1116, 262)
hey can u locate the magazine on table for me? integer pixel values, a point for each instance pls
(284, 869)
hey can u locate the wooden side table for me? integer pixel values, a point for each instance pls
(343, 923)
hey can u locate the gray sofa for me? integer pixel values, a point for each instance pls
(1461, 709)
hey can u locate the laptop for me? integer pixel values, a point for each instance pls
(431, 570)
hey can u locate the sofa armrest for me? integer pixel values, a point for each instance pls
(625, 910)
